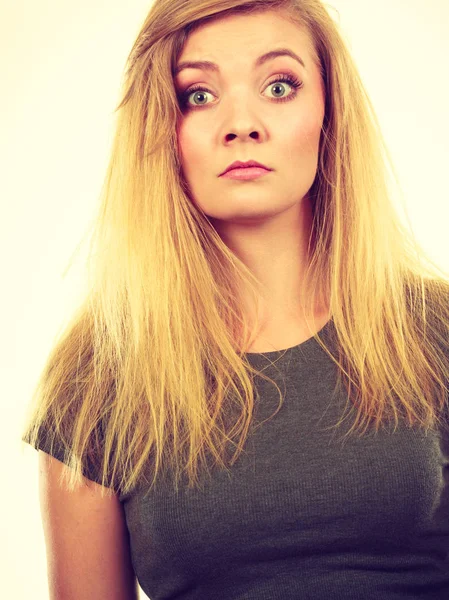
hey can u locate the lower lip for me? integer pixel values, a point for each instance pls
(243, 174)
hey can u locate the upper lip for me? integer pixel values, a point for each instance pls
(250, 163)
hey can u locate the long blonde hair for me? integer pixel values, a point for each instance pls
(153, 360)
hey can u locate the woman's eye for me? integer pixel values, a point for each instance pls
(280, 91)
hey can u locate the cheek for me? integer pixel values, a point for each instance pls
(303, 136)
(191, 147)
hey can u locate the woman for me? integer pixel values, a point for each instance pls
(207, 287)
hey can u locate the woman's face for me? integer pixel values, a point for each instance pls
(246, 113)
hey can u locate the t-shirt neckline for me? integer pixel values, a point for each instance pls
(309, 342)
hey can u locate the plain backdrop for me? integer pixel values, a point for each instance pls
(61, 64)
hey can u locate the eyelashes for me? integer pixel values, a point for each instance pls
(282, 78)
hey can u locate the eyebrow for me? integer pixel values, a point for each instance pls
(210, 66)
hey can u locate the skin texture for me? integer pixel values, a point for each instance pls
(267, 221)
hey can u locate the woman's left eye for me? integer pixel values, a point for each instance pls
(282, 78)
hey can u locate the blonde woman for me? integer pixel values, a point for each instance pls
(170, 455)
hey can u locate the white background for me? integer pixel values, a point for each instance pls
(61, 64)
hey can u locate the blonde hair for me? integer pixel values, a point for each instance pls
(151, 365)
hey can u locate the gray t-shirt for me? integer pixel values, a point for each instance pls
(303, 515)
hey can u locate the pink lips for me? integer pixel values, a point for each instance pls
(245, 165)
(243, 174)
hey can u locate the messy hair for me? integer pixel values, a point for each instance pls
(148, 373)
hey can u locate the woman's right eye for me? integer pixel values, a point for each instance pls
(185, 96)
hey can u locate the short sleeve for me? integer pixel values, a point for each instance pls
(50, 443)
